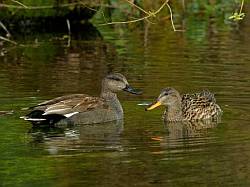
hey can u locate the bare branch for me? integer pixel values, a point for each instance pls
(38, 7)
(149, 14)
(171, 18)
(139, 8)
(19, 3)
(4, 28)
(241, 6)
(7, 40)
(69, 32)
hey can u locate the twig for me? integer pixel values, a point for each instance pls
(134, 5)
(171, 18)
(22, 6)
(237, 16)
(241, 6)
(4, 28)
(7, 40)
(19, 3)
(162, 6)
(69, 33)
(37, 7)
(84, 4)
(149, 14)
(96, 10)
(124, 22)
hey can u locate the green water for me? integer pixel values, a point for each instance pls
(141, 150)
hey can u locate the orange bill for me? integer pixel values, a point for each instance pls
(154, 105)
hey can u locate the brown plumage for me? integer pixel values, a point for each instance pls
(71, 103)
(198, 106)
(82, 108)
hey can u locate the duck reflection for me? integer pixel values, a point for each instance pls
(186, 129)
(185, 137)
(2, 113)
(78, 138)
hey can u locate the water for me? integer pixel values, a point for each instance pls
(140, 150)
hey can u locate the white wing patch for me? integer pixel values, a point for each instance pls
(32, 119)
(55, 111)
(70, 114)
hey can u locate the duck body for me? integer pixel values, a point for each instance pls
(200, 106)
(189, 107)
(82, 108)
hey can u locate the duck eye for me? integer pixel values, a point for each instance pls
(163, 94)
(166, 93)
(115, 78)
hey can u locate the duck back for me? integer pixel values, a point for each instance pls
(200, 106)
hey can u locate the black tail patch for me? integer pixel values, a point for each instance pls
(50, 119)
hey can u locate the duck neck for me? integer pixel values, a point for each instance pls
(108, 95)
(174, 112)
(112, 100)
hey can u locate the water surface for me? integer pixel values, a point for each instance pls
(140, 150)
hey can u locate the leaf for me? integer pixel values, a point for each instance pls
(237, 16)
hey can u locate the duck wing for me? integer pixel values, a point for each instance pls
(200, 106)
(56, 100)
(67, 106)
(204, 96)
(52, 111)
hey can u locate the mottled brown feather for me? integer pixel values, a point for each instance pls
(199, 106)
(71, 103)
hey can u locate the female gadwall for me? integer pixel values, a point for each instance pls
(84, 108)
(198, 106)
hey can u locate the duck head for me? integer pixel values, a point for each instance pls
(168, 97)
(117, 82)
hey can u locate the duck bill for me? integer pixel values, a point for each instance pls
(153, 105)
(131, 90)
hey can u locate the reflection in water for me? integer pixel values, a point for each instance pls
(188, 155)
(188, 129)
(55, 67)
(58, 27)
(180, 135)
(6, 112)
(83, 138)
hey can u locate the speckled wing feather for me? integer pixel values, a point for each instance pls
(199, 106)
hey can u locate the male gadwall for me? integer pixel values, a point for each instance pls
(84, 108)
(198, 106)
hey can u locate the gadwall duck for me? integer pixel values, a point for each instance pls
(84, 108)
(198, 106)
